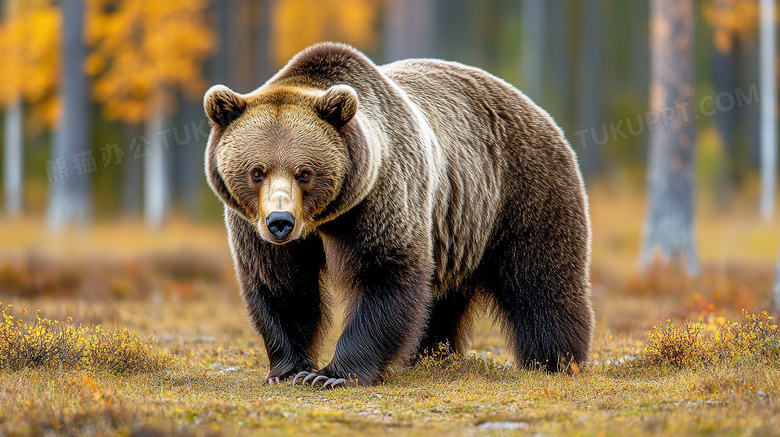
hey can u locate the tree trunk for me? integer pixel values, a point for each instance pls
(264, 54)
(669, 230)
(768, 90)
(745, 147)
(588, 92)
(13, 155)
(559, 61)
(13, 160)
(777, 285)
(532, 48)
(454, 36)
(240, 54)
(189, 141)
(751, 114)
(70, 201)
(132, 182)
(156, 172)
(639, 68)
(217, 65)
(724, 82)
(409, 29)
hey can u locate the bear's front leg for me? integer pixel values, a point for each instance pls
(388, 308)
(280, 286)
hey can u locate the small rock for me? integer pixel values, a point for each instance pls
(503, 425)
(761, 394)
(227, 369)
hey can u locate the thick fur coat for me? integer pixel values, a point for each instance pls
(418, 189)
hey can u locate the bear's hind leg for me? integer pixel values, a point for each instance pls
(544, 306)
(447, 324)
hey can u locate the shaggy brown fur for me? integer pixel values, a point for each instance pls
(430, 185)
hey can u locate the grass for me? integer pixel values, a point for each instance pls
(217, 391)
(212, 387)
(672, 355)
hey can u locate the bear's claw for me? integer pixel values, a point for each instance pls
(299, 375)
(334, 382)
(315, 378)
(308, 377)
(271, 381)
(319, 378)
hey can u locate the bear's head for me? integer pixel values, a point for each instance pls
(281, 157)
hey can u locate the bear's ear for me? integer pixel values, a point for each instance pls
(338, 105)
(223, 105)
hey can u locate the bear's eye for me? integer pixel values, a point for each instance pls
(257, 174)
(305, 176)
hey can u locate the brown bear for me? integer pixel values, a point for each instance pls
(417, 189)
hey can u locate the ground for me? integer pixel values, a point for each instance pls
(177, 286)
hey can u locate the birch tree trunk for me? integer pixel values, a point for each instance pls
(13, 160)
(13, 157)
(156, 173)
(768, 91)
(777, 285)
(669, 229)
(69, 197)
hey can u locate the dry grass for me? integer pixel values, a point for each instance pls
(182, 273)
(709, 369)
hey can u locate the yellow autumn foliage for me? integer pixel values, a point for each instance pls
(730, 19)
(140, 45)
(29, 55)
(300, 23)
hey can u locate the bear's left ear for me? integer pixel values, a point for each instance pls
(223, 105)
(338, 105)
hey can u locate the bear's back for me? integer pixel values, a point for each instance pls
(468, 134)
(492, 139)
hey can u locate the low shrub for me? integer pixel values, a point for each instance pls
(45, 342)
(714, 340)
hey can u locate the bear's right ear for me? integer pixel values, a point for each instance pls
(338, 105)
(223, 105)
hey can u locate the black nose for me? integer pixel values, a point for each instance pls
(280, 223)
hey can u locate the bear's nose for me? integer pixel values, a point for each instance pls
(280, 223)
